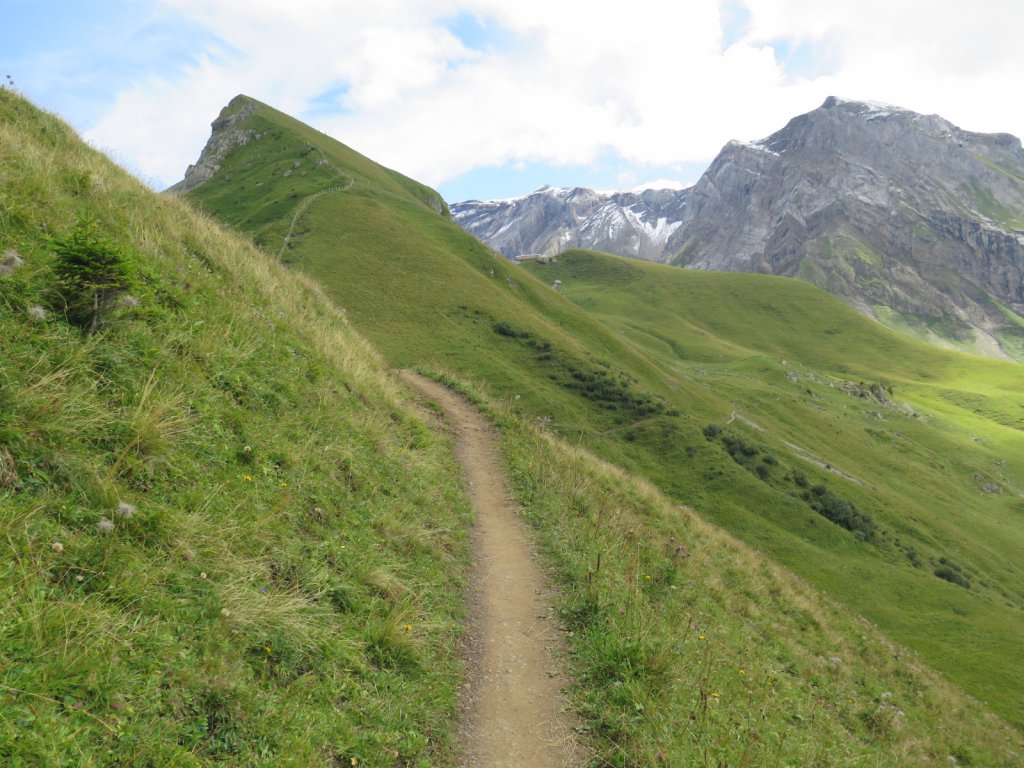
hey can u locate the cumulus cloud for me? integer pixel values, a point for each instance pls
(657, 84)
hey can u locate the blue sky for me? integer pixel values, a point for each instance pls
(486, 99)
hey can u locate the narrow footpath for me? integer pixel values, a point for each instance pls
(513, 707)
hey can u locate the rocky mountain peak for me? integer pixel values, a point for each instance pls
(908, 217)
(226, 134)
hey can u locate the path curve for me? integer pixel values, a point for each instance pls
(514, 711)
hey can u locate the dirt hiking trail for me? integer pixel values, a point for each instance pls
(513, 707)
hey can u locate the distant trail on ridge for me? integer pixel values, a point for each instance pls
(306, 202)
(514, 711)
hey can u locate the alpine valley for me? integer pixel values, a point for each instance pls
(906, 217)
(735, 394)
(779, 532)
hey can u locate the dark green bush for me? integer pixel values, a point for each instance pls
(840, 511)
(93, 275)
(738, 447)
(952, 576)
(504, 329)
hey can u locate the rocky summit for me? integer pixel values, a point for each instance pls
(905, 216)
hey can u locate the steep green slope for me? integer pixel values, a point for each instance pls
(689, 648)
(226, 540)
(429, 295)
(928, 444)
(277, 161)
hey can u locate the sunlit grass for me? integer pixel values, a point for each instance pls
(218, 512)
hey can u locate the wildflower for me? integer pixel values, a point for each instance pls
(225, 613)
(263, 589)
(715, 695)
(248, 478)
(743, 671)
(267, 649)
(37, 313)
(128, 301)
(125, 510)
(282, 485)
(57, 547)
(408, 627)
(105, 526)
(701, 637)
(202, 575)
(647, 577)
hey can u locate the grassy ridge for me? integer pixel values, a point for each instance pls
(797, 384)
(226, 539)
(426, 293)
(261, 182)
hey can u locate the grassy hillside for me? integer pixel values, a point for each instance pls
(882, 470)
(262, 182)
(230, 542)
(226, 540)
(690, 648)
(925, 443)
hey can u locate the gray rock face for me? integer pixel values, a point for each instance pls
(891, 210)
(552, 220)
(224, 137)
(905, 216)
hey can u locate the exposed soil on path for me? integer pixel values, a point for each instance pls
(513, 707)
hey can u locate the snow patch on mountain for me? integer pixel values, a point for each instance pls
(552, 219)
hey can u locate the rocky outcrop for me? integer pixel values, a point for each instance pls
(226, 136)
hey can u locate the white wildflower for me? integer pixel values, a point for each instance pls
(125, 510)
(105, 526)
(38, 313)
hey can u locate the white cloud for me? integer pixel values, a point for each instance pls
(570, 80)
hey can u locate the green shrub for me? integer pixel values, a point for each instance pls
(504, 329)
(93, 275)
(952, 576)
(739, 448)
(840, 511)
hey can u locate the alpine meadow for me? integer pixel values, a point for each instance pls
(778, 533)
